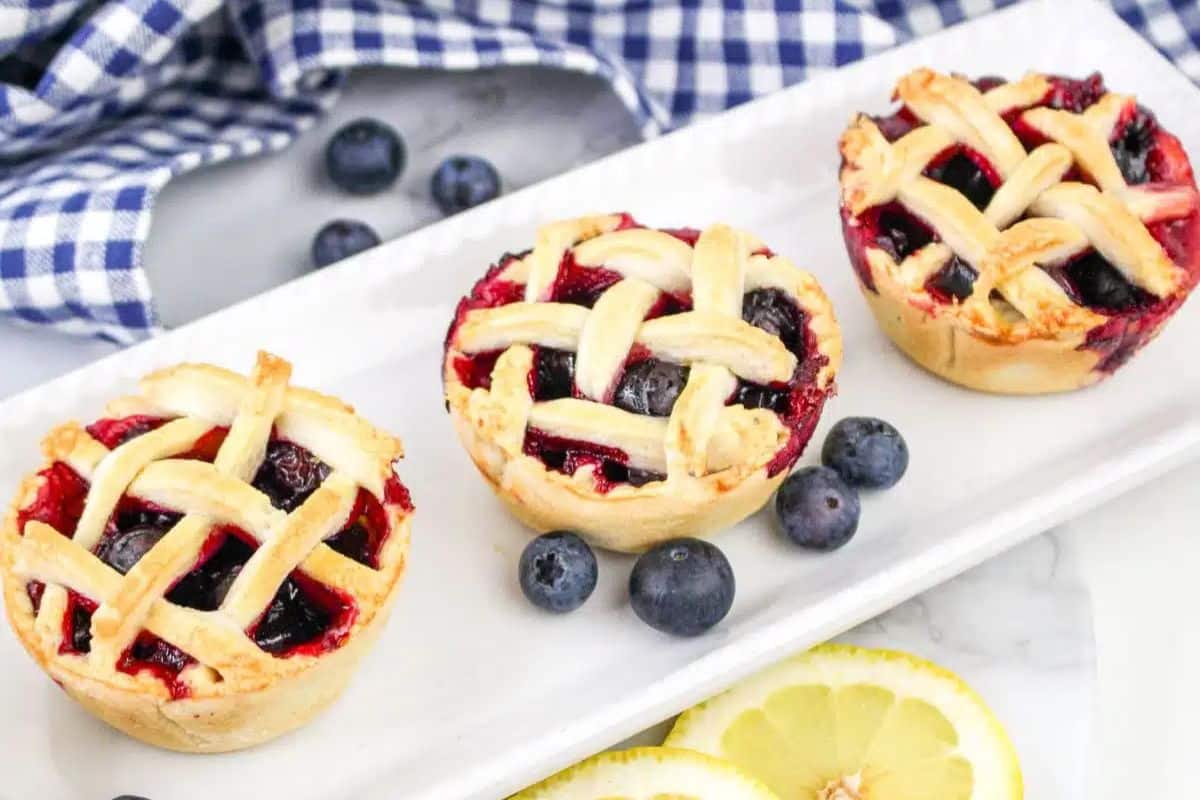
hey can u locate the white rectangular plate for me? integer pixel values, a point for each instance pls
(473, 693)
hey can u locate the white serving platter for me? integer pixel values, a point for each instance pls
(473, 693)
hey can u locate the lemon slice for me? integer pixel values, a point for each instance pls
(844, 723)
(650, 773)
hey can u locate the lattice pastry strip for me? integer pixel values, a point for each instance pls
(1074, 216)
(208, 495)
(702, 435)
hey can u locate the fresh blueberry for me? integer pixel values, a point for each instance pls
(129, 797)
(289, 474)
(817, 509)
(774, 312)
(651, 387)
(340, 239)
(557, 571)
(291, 620)
(463, 182)
(125, 548)
(364, 157)
(682, 587)
(866, 452)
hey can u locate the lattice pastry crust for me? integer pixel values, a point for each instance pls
(1019, 330)
(716, 462)
(233, 694)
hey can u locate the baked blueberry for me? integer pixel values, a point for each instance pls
(682, 587)
(555, 374)
(817, 509)
(557, 571)
(956, 279)
(651, 387)
(1101, 285)
(291, 620)
(289, 474)
(772, 311)
(341, 239)
(364, 157)
(866, 452)
(963, 174)
(462, 182)
(125, 548)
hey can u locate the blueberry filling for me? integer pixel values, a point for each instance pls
(755, 395)
(289, 475)
(1100, 285)
(1131, 147)
(900, 233)
(81, 629)
(963, 174)
(354, 542)
(292, 619)
(774, 312)
(1075, 95)
(651, 387)
(615, 472)
(205, 587)
(554, 374)
(955, 280)
(125, 546)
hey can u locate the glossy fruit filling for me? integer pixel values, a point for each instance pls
(304, 617)
(647, 385)
(1145, 154)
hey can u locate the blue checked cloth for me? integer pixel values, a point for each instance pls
(101, 103)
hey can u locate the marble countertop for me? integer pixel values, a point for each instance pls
(1018, 627)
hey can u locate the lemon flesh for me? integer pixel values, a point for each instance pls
(845, 723)
(650, 773)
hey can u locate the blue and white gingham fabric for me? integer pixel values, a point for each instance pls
(103, 102)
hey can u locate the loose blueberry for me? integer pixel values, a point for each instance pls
(365, 156)
(817, 509)
(291, 620)
(125, 548)
(866, 452)
(682, 587)
(651, 387)
(557, 571)
(463, 182)
(341, 239)
(555, 374)
(1101, 285)
(956, 279)
(774, 312)
(129, 797)
(289, 474)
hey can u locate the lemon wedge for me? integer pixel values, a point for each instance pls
(650, 773)
(845, 723)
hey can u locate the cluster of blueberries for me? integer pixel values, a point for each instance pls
(367, 156)
(685, 586)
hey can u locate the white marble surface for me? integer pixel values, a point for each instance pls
(1016, 628)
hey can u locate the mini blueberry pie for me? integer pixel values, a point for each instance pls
(636, 385)
(203, 567)
(1020, 237)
